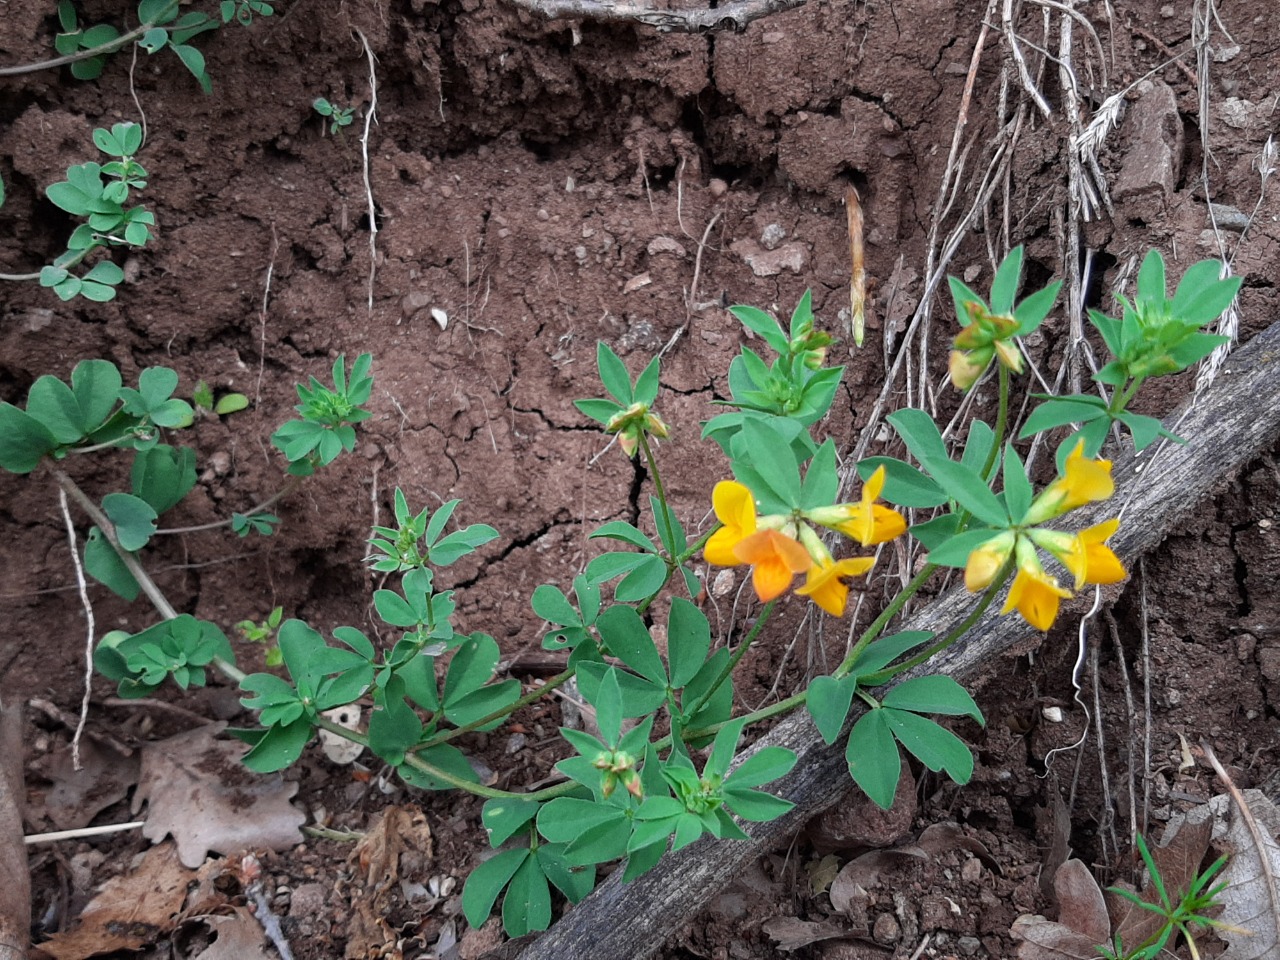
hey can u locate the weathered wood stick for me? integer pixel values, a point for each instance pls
(15, 883)
(1231, 423)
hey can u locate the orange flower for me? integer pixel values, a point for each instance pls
(775, 559)
(825, 586)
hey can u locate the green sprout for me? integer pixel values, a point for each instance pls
(1180, 915)
(338, 117)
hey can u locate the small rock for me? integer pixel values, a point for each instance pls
(660, 245)
(1155, 144)
(971, 872)
(413, 302)
(220, 461)
(886, 929)
(636, 282)
(1237, 112)
(770, 263)
(1227, 53)
(858, 822)
(968, 946)
(543, 215)
(307, 900)
(718, 188)
(772, 236)
(1269, 662)
(580, 252)
(36, 319)
(1229, 218)
(446, 191)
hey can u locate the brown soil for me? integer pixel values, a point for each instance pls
(528, 176)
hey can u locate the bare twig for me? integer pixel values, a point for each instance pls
(1015, 51)
(731, 16)
(262, 316)
(82, 832)
(364, 151)
(15, 892)
(58, 715)
(90, 628)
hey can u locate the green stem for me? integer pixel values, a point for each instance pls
(889, 612)
(1002, 423)
(1121, 398)
(531, 697)
(101, 50)
(266, 504)
(670, 537)
(957, 631)
(130, 561)
(734, 660)
(74, 261)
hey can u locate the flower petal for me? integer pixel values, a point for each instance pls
(734, 506)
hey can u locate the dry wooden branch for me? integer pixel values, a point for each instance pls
(15, 892)
(731, 16)
(1231, 423)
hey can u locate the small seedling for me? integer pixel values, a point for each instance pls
(264, 633)
(1179, 912)
(338, 117)
(203, 399)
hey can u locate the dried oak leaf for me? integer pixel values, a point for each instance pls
(399, 843)
(77, 796)
(130, 911)
(197, 790)
(1082, 923)
(236, 936)
(1251, 899)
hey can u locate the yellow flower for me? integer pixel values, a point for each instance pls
(966, 366)
(866, 521)
(825, 586)
(736, 509)
(1083, 481)
(775, 559)
(1101, 563)
(1035, 595)
(1085, 554)
(985, 562)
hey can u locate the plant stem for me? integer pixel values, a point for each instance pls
(670, 538)
(734, 660)
(130, 561)
(537, 693)
(1002, 423)
(957, 631)
(275, 498)
(889, 612)
(110, 46)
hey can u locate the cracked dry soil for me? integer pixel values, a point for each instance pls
(547, 185)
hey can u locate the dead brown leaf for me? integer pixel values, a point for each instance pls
(1251, 898)
(77, 796)
(238, 936)
(399, 842)
(130, 911)
(792, 933)
(1082, 923)
(1178, 861)
(198, 791)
